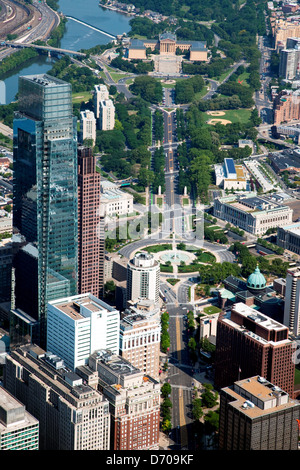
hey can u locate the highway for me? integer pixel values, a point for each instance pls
(181, 372)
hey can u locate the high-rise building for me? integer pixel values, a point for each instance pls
(249, 343)
(106, 115)
(140, 337)
(5, 269)
(134, 400)
(143, 274)
(87, 126)
(19, 430)
(257, 415)
(45, 195)
(91, 248)
(289, 59)
(100, 94)
(286, 107)
(291, 316)
(71, 414)
(79, 325)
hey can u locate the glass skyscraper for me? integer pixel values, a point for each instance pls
(45, 198)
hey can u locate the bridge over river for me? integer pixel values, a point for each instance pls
(91, 27)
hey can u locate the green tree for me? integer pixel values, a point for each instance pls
(166, 390)
(197, 410)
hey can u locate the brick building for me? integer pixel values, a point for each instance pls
(250, 343)
(134, 400)
(90, 236)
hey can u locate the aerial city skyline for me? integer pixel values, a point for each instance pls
(149, 227)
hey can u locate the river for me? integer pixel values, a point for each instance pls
(76, 37)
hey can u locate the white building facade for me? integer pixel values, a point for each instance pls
(100, 94)
(291, 317)
(87, 126)
(106, 115)
(254, 214)
(79, 325)
(143, 277)
(114, 202)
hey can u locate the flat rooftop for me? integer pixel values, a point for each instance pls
(256, 397)
(258, 317)
(79, 307)
(44, 80)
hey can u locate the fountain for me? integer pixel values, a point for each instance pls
(175, 257)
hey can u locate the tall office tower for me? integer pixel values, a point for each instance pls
(106, 115)
(87, 126)
(79, 325)
(250, 343)
(143, 273)
(18, 429)
(71, 415)
(134, 400)
(257, 415)
(140, 337)
(6, 256)
(291, 316)
(91, 247)
(45, 195)
(100, 94)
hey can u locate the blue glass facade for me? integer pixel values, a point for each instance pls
(45, 195)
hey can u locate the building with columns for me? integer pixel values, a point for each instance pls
(167, 45)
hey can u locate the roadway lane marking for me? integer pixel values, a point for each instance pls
(178, 340)
(183, 428)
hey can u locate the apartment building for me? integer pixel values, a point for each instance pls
(134, 400)
(291, 317)
(87, 126)
(106, 115)
(286, 106)
(143, 277)
(140, 331)
(100, 94)
(71, 415)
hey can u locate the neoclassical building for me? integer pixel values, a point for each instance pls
(167, 44)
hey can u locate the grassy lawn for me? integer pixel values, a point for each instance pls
(223, 75)
(81, 96)
(297, 376)
(243, 78)
(116, 76)
(166, 269)
(211, 310)
(173, 281)
(206, 258)
(157, 248)
(198, 96)
(159, 201)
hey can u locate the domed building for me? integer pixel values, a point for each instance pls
(254, 292)
(256, 282)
